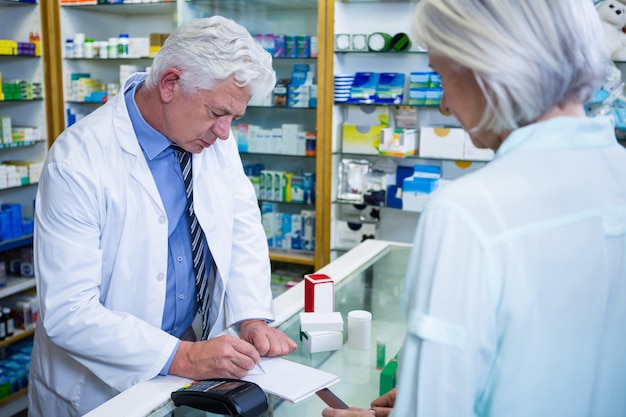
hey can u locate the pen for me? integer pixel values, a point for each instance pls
(260, 367)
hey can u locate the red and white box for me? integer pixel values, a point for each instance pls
(319, 293)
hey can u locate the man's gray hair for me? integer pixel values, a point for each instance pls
(211, 50)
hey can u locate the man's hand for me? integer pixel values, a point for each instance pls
(267, 340)
(221, 357)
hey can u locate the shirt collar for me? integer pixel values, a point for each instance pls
(561, 132)
(152, 142)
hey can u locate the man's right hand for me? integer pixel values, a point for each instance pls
(221, 357)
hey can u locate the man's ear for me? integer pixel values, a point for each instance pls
(169, 83)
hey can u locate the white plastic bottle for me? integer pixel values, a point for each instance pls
(112, 48)
(79, 45)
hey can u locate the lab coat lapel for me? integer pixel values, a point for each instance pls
(213, 206)
(129, 143)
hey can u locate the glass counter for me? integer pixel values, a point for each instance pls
(369, 277)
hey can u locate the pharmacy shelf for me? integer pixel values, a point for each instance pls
(17, 3)
(23, 144)
(14, 403)
(165, 7)
(292, 257)
(17, 336)
(269, 5)
(16, 285)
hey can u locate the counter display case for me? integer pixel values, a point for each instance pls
(369, 277)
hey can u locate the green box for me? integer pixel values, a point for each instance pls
(388, 376)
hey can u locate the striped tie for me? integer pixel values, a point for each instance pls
(197, 244)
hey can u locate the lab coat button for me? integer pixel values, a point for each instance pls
(162, 219)
(161, 276)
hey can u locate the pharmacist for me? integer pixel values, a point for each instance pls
(113, 251)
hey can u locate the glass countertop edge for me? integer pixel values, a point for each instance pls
(141, 399)
(144, 398)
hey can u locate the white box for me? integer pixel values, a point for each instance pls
(5, 129)
(398, 142)
(473, 153)
(350, 234)
(321, 322)
(138, 47)
(315, 342)
(436, 142)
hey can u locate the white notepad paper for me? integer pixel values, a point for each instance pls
(289, 380)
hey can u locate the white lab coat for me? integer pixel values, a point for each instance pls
(516, 287)
(101, 246)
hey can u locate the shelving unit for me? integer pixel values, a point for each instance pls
(299, 17)
(19, 21)
(355, 17)
(101, 22)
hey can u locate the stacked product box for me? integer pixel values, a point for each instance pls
(301, 91)
(10, 221)
(288, 46)
(285, 186)
(321, 327)
(288, 139)
(425, 89)
(14, 368)
(289, 231)
(21, 90)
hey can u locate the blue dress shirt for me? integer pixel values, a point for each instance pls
(180, 299)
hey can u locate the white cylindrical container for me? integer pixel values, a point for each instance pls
(89, 50)
(79, 44)
(359, 329)
(103, 49)
(112, 48)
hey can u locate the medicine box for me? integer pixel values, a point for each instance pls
(350, 234)
(439, 142)
(308, 230)
(364, 87)
(388, 376)
(319, 293)
(398, 142)
(139, 47)
(361, 139)
(296, 231)
(5, 129)
(450, 143)
(417, 188)
(390, 89)
(321, 322)
(473, 153)
(314, 342)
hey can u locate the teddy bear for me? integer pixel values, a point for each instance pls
(613, 16)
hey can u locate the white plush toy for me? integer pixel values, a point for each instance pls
(613, 16)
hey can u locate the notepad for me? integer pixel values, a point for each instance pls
(290, 380)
